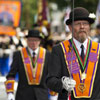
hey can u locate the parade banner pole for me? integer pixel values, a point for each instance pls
(69, 92)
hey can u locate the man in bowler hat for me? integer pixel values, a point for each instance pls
(75, 65)
(31, 64)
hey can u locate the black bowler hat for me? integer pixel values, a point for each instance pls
(35, 33)
(80, 13)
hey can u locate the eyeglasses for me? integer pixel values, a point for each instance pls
(81, 23)
(33, 40)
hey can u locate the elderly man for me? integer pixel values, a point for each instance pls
(31, 64)
(74, 67)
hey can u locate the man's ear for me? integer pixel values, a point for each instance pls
(70, 27)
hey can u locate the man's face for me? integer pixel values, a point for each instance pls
(81, 30)
(33, 42)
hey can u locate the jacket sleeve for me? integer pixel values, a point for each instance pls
(9, 83)
(14, 65)
(54, 71)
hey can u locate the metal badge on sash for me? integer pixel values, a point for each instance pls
(81, 87)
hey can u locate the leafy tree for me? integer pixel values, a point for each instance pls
(91, 5)
(29, 8)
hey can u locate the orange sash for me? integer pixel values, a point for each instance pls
(33, 74)
(85, 80)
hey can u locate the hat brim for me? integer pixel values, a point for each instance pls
(90, 20)
(33, 37)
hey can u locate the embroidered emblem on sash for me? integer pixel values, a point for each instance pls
(81, 87)
(85, 80)
(33, 74)
(9, 85)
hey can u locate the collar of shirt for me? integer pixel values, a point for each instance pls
(78, 45)
(31, 51)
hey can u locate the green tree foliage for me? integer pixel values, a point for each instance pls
(29, 8)
(91, 5)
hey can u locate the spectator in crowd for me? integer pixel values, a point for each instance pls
(97, 35)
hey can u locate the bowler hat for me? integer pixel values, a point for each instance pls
(35, 33)
(80, 13)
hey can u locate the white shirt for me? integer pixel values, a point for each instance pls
(78, 45)
(31, 51)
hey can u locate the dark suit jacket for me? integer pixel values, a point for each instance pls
(24, 90)
(57, 69)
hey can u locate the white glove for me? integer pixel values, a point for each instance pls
(11, 96)
(53, 97)
(68, 83)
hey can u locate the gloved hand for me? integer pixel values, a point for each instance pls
(68, 83)
(53, 97)
(10, 96)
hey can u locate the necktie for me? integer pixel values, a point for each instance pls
(82, 52)
(34, 54)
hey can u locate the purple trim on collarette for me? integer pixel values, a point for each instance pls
(98, 47)
(80, 78)
(87, 61)
(40, 60)
(86, 69)
(93, 71)
(75, 65)
(26, 60)
(93, 57)
(74, 88)
(75, 91)
(86, 66)
(9, 85)
(92, 79)
(68, 55)
(80, 82)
